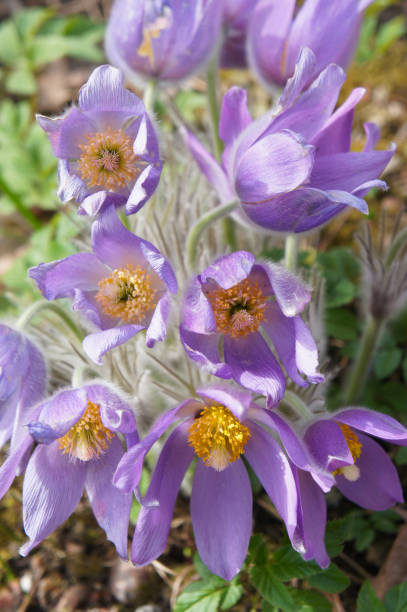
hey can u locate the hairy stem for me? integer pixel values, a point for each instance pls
(290, 252)
(36, 308)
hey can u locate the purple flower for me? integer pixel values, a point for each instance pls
(121, 288)
(293, 171)
(107, 146)
(77, 448)
(331, 450)
(163, 39)
(236, 15)
(275, 39)
(232, 301)
(218, 428)
(22, 379)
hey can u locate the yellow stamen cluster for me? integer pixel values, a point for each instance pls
(107, 160)
(238, 311)
(127, 294)
(355, 449)
(218, 437)
(88, 438)
(153, 30)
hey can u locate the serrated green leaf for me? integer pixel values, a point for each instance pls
(396, 599)
(341, 323)
(386, 361)
(364, 539)
(233, 593)
(21, 81)
(368, 601)
(200, 567)
(287, 563)
(270, 588)
(258, 550)
(331, 580)
(11, 47)
(201, 596)
(310, 601)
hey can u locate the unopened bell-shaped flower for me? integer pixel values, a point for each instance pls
(236, 15)
(163, 39)
(106, 145)
(275, 37)
(22, 379)
(122, 288)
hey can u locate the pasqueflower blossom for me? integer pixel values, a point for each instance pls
(121, 288)
(107, 146)
(293, 171)
(235, 301)
(78, 448)
(22, 379)
(163, 39)
(236, 15)
(219, 428)
(333, 449)
(275, 39)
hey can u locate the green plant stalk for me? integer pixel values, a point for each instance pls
(150, 95)
(398, 243)
(20, 206)
(360, 369)
(296, 403)
(204, 222)
(290, 252)
(36, 308)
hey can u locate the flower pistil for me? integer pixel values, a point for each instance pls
(350, 472)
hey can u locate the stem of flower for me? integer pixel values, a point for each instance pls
(150, 94)
(367, 348)
(196, 231)
(296, 403)
(290, 252)
(20, 206)
(213, 106)
(34, 309)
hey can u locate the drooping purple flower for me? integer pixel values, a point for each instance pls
(219, 427)
(121, 288)
(163, 39)
(106, 145)
(78, 448)
(275, 38)
(334, 449)
(293, 171)
(236, 14)
(22, 379)
(232, 302)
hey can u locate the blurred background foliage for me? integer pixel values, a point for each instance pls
(46, 54)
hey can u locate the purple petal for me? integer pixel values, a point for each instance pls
(110, 506)
(229, 270)
(309, 536)
(96, 345)
(153, 523)
(210, 168)
(197, 314)
(372, 136)
(291, 294)
(67, 132)
(52, 488)
(374, 423)
(115, 413)
(254, 366)
(58, 414)
(303, 71)
(113, 243)
(70, 186)
(160, 265)
(221, 512)
(59, 278)
(272, 468)
(234, 117)
(104, 91)
(143, 188)
(327, 445)
(128, 473)
(9, 468)
(96, 203)
(275, 164)
(204, 349)
(378, 487)
(157, 329)
(237, 400)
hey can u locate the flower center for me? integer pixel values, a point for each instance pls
(127, 294)
(218, 437)
(107, 160)
(88, 438)
(350, 472)
(153, 30)
(238, 311)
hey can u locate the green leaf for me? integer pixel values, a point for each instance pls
(386, 361)
(390, 32)
(11, 47)
(287, 563)
(331, 580)
(404, 366)
(258, 550)
(368, 601)
(340, 269)
(233, 593)
(401, 456)
(21, 81)
(341, 323)
(270, 588)
(310, 601)
(200, 567)
(396, 599)
(201, 596)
